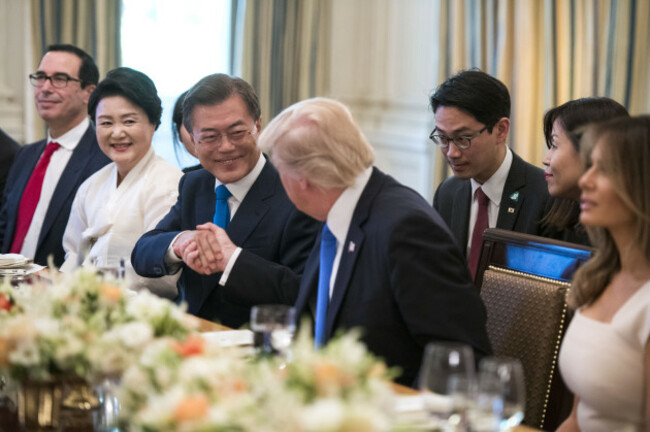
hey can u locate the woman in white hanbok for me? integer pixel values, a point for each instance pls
(605, 354)
(128, 197)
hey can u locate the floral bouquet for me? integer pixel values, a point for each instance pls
(193, 387)
(80, 325)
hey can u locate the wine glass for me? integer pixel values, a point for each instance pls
(501, 391)
(273, 328)
(447, 380)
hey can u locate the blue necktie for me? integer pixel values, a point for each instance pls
(222, 212)
(327, 254)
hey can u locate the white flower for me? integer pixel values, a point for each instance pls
(323, 416)
(135, 334)
(26, 354)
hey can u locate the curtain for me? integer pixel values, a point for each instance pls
(92, 25)
(547, 52)
(285, 51)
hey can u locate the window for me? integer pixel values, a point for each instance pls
(176, 44)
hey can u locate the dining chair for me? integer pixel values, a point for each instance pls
(523, 281)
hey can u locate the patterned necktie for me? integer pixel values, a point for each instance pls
(327, 254)
(222, 211)
(31, 195)
(477, 235)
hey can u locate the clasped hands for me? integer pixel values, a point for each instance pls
(206, 250)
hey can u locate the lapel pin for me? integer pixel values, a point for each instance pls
(351, 247)
(511, 209)
(514, 196)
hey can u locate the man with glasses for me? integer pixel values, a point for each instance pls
(238, 191)
(45, 175)
(491, 186)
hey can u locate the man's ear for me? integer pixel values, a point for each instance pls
(502, 129)
(87, 91)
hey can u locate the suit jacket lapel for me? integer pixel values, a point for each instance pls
(460, 214)
(351, 248)
(512, 199)
(69, 179)
(254, 206)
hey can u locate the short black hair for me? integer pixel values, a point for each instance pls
(215, 89)
(88, 72)
(177, 121)
(580, 112)
(132, 85)
(473, 91)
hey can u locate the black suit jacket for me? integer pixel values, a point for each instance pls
(401, 279)
(8, 150)
(85, 160)
(523, 201)
(274, 236)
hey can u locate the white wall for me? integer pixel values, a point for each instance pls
(383, 68)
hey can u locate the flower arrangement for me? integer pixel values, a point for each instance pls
(194, 386)
(80, 325)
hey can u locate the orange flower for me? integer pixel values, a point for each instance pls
(191, 408)
(5, 303)
(194, 345)
(110, 292)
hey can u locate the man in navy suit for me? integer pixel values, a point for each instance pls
(396, 272)
(472, 113)
(8, 150)
(65, 78)
(223, 116)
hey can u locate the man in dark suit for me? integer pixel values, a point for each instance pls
(385, 261)
(45, 175)
(492, 186)
(8, 150)
(223, 116)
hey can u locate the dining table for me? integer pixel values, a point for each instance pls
(205, 326)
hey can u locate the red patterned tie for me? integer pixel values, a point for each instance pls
(477, 235)
(31, 195)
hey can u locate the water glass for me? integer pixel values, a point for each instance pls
(273, 328)
(111, 266)
(447, 381)
(501, 394)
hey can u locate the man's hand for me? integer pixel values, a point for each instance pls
(208, 250)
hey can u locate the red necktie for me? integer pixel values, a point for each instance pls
(477, 235)
(31, 195)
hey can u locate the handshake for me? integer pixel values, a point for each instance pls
(206, 250)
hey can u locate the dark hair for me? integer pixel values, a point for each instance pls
(88, 72)
(574, 116)
(215, 89)
(177, 122)
(576, 113)
(473, 91)
(132, 85)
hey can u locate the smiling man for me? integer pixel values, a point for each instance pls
(237, 190)
(491, 186)
(45, 175)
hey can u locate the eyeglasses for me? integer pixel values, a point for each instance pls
(58, 80)
(462, 142)
(235, 137)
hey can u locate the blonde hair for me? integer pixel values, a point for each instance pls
(625, 148)
(318, 139)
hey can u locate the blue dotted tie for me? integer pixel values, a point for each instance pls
(222, 212)
(327, 254)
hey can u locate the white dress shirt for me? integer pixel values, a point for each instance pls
(238, 191)
(493, 189)
(109, 219)
(58, 162)
(340, 215)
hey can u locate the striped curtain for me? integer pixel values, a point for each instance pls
(548, 52)
(284, 53)
(92, 25)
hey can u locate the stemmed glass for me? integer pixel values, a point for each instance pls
(501, 397)
(273, 327)
(447, 380)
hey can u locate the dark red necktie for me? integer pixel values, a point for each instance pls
(477, 235)
(31, 195)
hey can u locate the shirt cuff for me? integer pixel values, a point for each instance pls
(229, 266)
(172, 261)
